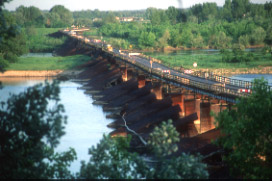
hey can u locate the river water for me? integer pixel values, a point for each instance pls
(251, 77)
(86, 122)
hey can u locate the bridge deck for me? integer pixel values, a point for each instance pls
(207, 83)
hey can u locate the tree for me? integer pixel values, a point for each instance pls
(30, 129)
(246, 133)
(163, 141)
(268, 38)
(156, 16)
(12, 42)
(59, 17)
(257, 36)
(220, 40)
(111, 159)
(147, 39)
(197, 11)
(163, 41)
(109, 18)
(172, 14)
(29, 16)
(209, 11)
(239, 8)
(226, 12)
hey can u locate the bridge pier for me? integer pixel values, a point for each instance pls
(205, 117)
(141, 81)
(157, 90)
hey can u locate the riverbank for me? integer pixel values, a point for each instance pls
(40, 73)
(230, 72)
(31, 73)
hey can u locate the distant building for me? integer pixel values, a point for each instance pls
(126, 19)
(97, 19)
(130, 19)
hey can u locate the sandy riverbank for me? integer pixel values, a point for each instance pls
(31, 73)
(40, 73)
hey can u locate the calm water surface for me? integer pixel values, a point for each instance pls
(251, 77)
(86, 122)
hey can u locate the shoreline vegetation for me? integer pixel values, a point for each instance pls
(45, 66)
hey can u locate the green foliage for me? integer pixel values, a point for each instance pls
(239, 8)
(59, 17)
(237, 55)
(163, 139)
(211, 61)
(111, 160)
(146, 39)
(3, 63)
(30, 129)
(109, 18)
(163, 143)
(268, 38)
(246, 133)
(220, 40)
(12, 41)
(163, 41)
(29, 16)
(182, 167)
(39, 40)
(257, 36)
(49, 63)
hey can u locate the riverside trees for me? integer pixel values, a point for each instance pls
(110, 159)
(30, 129)
(12, 41)
(247, 134)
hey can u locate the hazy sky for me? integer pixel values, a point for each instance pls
(110, 4)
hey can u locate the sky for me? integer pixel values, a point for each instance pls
(104, 5)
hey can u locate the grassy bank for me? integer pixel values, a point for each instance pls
(211, 61)
(49, 63)
(38, 39)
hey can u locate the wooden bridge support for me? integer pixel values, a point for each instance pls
(178, 99)
(205, 117)
(124, 73)
(141, 81)
(157, 90)
(127, 73)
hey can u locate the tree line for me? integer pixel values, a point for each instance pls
(200, 26)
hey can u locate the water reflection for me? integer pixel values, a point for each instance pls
(86, 122)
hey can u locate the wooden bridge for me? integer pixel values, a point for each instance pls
(206, 83)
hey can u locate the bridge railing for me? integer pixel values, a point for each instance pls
(218, 89)
(223, 79)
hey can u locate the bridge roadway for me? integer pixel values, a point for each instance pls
(209, 84)
(213, 87)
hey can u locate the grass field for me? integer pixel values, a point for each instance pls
(211, 61)
(39, 41)
(49, 63)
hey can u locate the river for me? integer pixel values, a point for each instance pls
(251, 77)
(86, 122)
